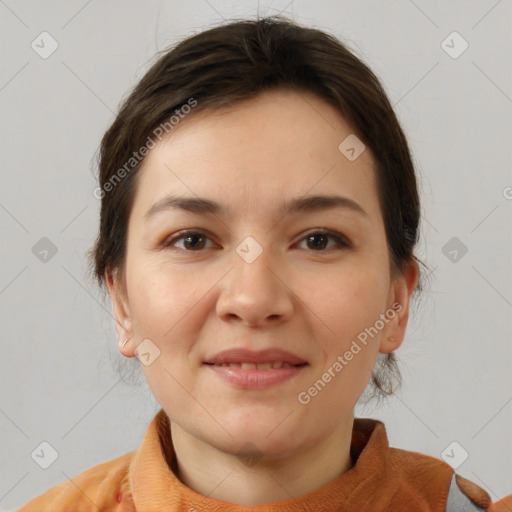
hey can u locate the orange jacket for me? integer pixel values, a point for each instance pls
(382, 479)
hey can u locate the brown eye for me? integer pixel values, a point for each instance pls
(319, 241)
(192, 241)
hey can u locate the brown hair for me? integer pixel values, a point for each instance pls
(237, 61)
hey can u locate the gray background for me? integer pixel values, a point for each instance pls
(58, 382)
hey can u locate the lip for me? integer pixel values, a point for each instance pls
(270, 355)
(254, 378)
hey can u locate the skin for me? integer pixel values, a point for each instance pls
(193, 303)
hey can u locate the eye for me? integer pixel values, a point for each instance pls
(319, 240)
(192, 241)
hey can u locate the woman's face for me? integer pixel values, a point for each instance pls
(253, 279)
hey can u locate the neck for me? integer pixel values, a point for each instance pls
(220, 475)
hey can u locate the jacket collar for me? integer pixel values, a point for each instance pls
(154, 486)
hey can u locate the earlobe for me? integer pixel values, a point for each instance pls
(389, 344)
(122, 344)
(123, 322)
(402, 290)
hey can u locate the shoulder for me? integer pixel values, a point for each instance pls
(435, 477)
(99, 487)
(466, 495)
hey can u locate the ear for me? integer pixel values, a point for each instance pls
(400, 295)
(123, 322)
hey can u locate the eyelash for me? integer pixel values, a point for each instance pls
(341, 242)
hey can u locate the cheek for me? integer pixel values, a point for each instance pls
(346, 302)
(161, 297)
(348, 305)
(165, 304)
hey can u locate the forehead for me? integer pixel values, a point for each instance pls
(281, 143)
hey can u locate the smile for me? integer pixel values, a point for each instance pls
(255, 376)
(275, 365)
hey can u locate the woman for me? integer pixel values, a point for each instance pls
(259, 213)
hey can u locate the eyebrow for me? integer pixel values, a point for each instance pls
(304, 204)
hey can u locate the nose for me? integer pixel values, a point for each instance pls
(255, 294)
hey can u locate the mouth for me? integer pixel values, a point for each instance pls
(245, 369)
(270, 356)
(271, 365)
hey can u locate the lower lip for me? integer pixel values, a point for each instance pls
(256, 379)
